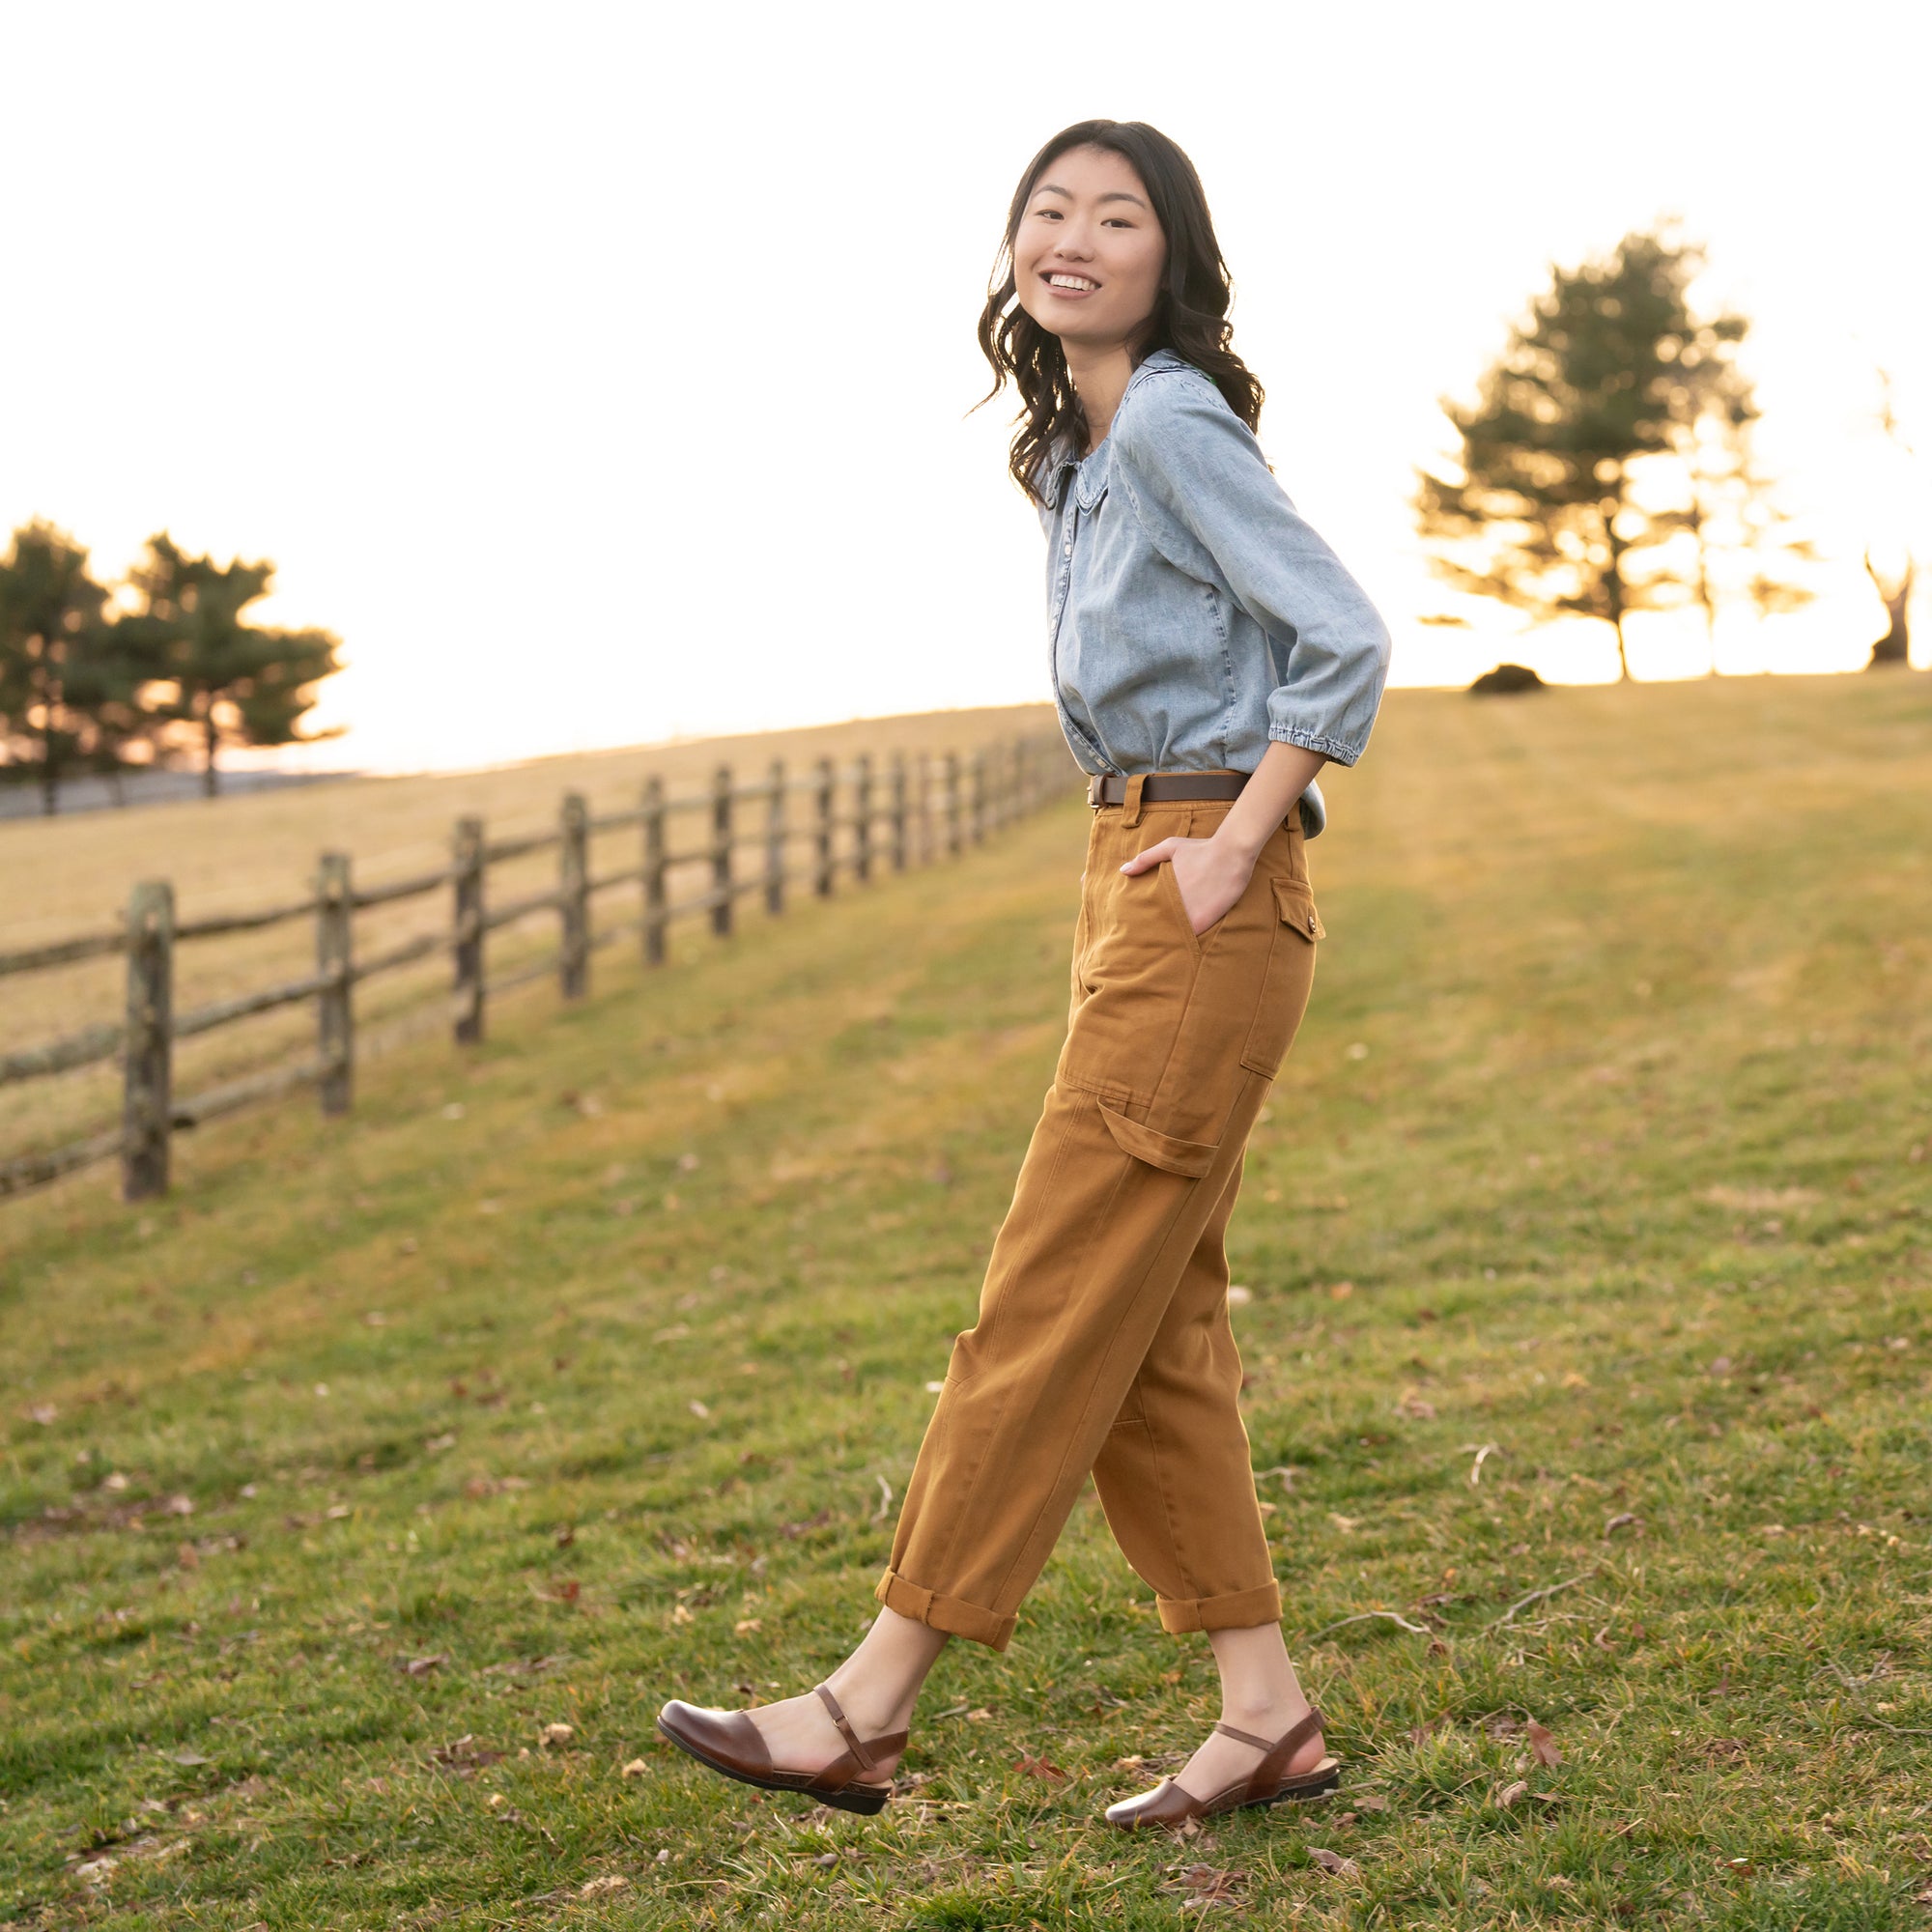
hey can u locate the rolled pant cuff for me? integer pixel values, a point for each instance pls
(951, 1614)
(1241, 1610)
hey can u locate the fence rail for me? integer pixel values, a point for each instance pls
(925, 808)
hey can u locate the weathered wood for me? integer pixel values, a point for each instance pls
(466, 929)
(861, 820)
(822, 877)
(217, 924)
(147, 1110)
(513, 910)
(721, 851)
(335, 1025)
(922, 808)
(36, 1170)
(401, 888)
(245, 1005)
(405, 955)
(518, 848)
(604, 881)
(899, 812)
(572, 895)
(977, 803)
(654, 871)
(63, 953)
(77, 1049)
(952, 803)
(237, 1094)
(775, 841)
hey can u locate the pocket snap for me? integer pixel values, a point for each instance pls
(1288, 979)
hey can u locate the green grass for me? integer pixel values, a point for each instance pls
(1603, 1149)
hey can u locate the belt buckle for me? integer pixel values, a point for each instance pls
(1094, 783)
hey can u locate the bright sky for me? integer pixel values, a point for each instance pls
(600, 372)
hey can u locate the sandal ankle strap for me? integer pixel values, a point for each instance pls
(845, 1730)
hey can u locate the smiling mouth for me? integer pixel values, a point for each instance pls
(1074, 285)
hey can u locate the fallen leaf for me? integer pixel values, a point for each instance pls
(610, 1882)
(636, 1768)
(43, 1413)
(1547, 1752)
(1240, 1297)
(697, 1409)
(1333, 1862)
(1416, 1408)
(187, 1757)
(745, 1625)
(421, 1666)
(187, 1556)
(1625, 1520)
(1512, 1794)
(1038, 1767)
(1204, 1885)
(465, 1755)
(555, 1733)
(1372, 1803)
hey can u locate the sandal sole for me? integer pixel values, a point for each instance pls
(867, 1799)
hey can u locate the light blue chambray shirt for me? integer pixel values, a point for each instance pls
(1192, 615)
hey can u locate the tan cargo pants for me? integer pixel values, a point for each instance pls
(1103, 1341)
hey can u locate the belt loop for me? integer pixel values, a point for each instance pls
(1133, 814)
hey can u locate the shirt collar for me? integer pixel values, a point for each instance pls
(1063, 458)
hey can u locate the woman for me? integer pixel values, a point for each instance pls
(1208, 655)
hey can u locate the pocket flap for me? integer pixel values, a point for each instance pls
(1298, 909)
(1192, 1158)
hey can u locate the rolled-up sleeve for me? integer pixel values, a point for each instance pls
(1203, 493)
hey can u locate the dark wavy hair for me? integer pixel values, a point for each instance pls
(1190, 313)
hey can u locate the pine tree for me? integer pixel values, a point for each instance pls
(228, 681)
(1579, 465)
(54, 664)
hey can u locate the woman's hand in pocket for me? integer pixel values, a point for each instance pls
(1209, 874)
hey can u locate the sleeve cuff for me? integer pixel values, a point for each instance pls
(1335, 749)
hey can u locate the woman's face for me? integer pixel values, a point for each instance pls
(1089, 256)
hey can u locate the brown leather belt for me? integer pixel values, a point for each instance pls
(1160, 787)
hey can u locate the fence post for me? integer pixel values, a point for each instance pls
(335, 1021)
(147, 1100)
(979, 794)
(573, 896)
(721, 851)
(775, 841)
(468, 931)
(898, 795)
(952, 803)
(922, 806)
(821, 876)
(861, 819)
(654, 873)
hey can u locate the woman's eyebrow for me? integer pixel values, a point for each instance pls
(1113, 194)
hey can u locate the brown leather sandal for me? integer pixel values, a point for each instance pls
(730, 1743)
(1169, 1804)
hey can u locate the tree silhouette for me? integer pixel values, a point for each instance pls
(1895, 647)
(55, 666)
(1615, 422)
(222, 680)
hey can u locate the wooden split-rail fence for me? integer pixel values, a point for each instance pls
(861, 818)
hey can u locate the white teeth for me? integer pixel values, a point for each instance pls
(1070, 282)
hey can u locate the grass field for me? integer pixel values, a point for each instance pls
(235, 853)
(1589, 1247)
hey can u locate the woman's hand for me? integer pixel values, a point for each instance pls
(1210, 873)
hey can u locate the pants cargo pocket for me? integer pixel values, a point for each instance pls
(1288, 979)
(1192, 1158)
